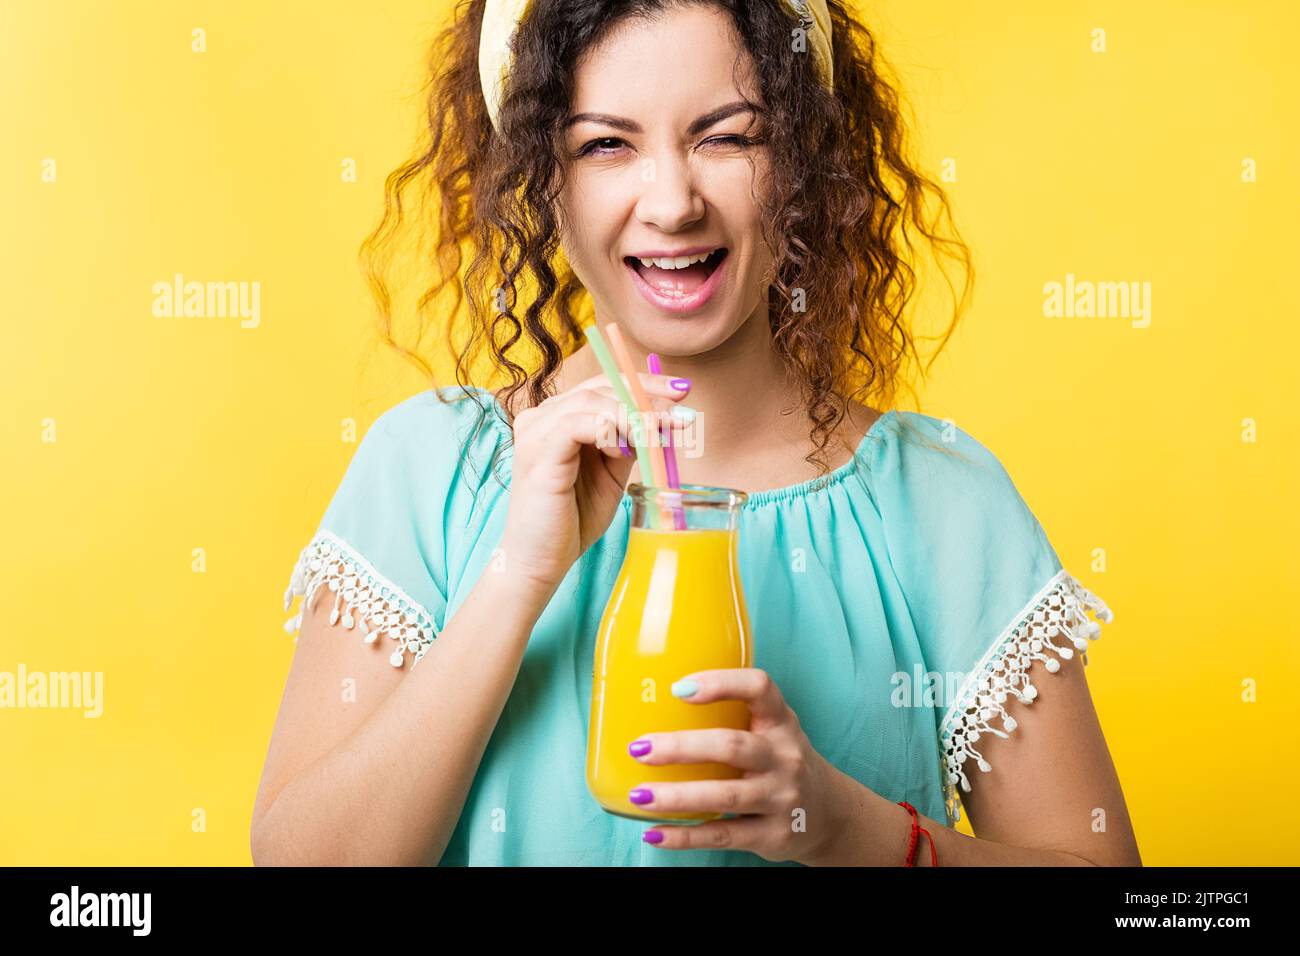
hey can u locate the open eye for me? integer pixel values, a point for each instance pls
(590, 148)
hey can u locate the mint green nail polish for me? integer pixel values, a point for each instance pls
(683, 413)
(685, 688)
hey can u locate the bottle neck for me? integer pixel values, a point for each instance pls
(689, 508)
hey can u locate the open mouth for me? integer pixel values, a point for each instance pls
(677, 282)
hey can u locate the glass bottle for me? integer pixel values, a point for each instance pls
(677, 607)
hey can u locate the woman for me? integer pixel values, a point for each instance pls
(899, 588)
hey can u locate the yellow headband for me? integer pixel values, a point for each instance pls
(500, 17)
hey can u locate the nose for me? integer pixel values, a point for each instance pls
(669, 199)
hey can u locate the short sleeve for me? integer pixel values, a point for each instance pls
(987, 593)
(380, 552)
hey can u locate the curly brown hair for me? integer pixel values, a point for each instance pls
(838, 217)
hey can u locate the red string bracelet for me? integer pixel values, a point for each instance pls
(914, 837)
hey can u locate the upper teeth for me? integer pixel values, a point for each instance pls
(678, 262)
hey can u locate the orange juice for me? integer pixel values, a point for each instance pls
(677, 607)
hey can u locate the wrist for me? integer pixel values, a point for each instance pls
(839, 837)
(510, 575)
(866, 828)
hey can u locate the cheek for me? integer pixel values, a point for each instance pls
(574, 233)
(741, 192)
(592, 232)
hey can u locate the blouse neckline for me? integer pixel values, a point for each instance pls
(811, 486)
(757, 499)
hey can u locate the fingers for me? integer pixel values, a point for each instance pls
(657, 402)
(655, 385)
(742, 833)
(748, 795)
(591, 428)
(611, 422)
(750, 684)
(555, 429)
(735, 748)
(597, 420)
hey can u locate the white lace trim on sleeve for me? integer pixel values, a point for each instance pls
(1059, 608)
(361, 594)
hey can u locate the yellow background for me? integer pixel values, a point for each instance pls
(176, 434)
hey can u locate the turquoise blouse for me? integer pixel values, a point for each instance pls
(898, 606)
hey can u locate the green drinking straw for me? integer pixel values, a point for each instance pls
(606, 360)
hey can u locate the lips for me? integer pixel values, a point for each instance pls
(678, 290)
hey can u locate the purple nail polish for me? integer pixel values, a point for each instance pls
(653, 836)
(623, 447)
(641, 795)
(639, 748)
(681, 384)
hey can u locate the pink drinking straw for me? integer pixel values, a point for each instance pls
(670, 458)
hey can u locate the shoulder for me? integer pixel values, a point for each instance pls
(438, 413)
(435, 434)
(397, 525)
(438, 455)
(935, 457)
(967, 548)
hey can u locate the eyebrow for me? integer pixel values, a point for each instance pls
(698, 126)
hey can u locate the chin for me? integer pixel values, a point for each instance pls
(679, 336)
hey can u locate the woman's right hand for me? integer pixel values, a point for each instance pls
(569, 472)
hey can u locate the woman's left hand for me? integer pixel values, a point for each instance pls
(787, 800)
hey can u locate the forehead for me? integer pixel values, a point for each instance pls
(686, 58)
